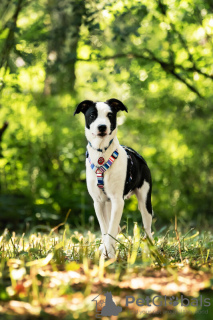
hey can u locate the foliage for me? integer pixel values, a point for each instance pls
(155, 56)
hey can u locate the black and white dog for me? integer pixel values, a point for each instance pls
(113, 172)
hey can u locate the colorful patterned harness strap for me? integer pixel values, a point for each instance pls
(100, 170)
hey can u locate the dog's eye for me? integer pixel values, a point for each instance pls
(110, 115)
(92, 116)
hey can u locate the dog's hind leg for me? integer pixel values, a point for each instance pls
(143, 195)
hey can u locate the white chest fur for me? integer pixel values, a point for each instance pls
(114, 177)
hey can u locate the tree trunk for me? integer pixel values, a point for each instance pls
(66, 20)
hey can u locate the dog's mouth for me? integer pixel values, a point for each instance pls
(102, 134)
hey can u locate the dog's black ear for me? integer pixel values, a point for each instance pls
(117, 105)
(83, 106)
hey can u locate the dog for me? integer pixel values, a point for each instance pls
(113, 172)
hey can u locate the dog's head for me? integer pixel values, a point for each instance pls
(100, 118)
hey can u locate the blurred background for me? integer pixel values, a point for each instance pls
(154, 56)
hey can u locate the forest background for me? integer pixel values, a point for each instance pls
(154, 56)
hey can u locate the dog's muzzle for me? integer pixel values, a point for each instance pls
(102, 130)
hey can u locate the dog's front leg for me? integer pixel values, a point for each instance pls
(99, 210)
(116, 213)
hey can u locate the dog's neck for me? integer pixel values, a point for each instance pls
(104, 148)
(94, 154)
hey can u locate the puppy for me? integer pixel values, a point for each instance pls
(113, 172)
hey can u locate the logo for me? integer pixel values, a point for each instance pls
(160, 301)
(174, 301)
(106, 307)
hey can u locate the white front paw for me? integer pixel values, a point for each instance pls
(109, 251)
(101, 248)
(108, 255)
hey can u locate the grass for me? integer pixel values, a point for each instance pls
(59, 273)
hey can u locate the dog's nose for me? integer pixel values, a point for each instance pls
(102, 128)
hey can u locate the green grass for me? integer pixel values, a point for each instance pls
(58, 273)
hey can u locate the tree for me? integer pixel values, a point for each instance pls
(66, 19)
